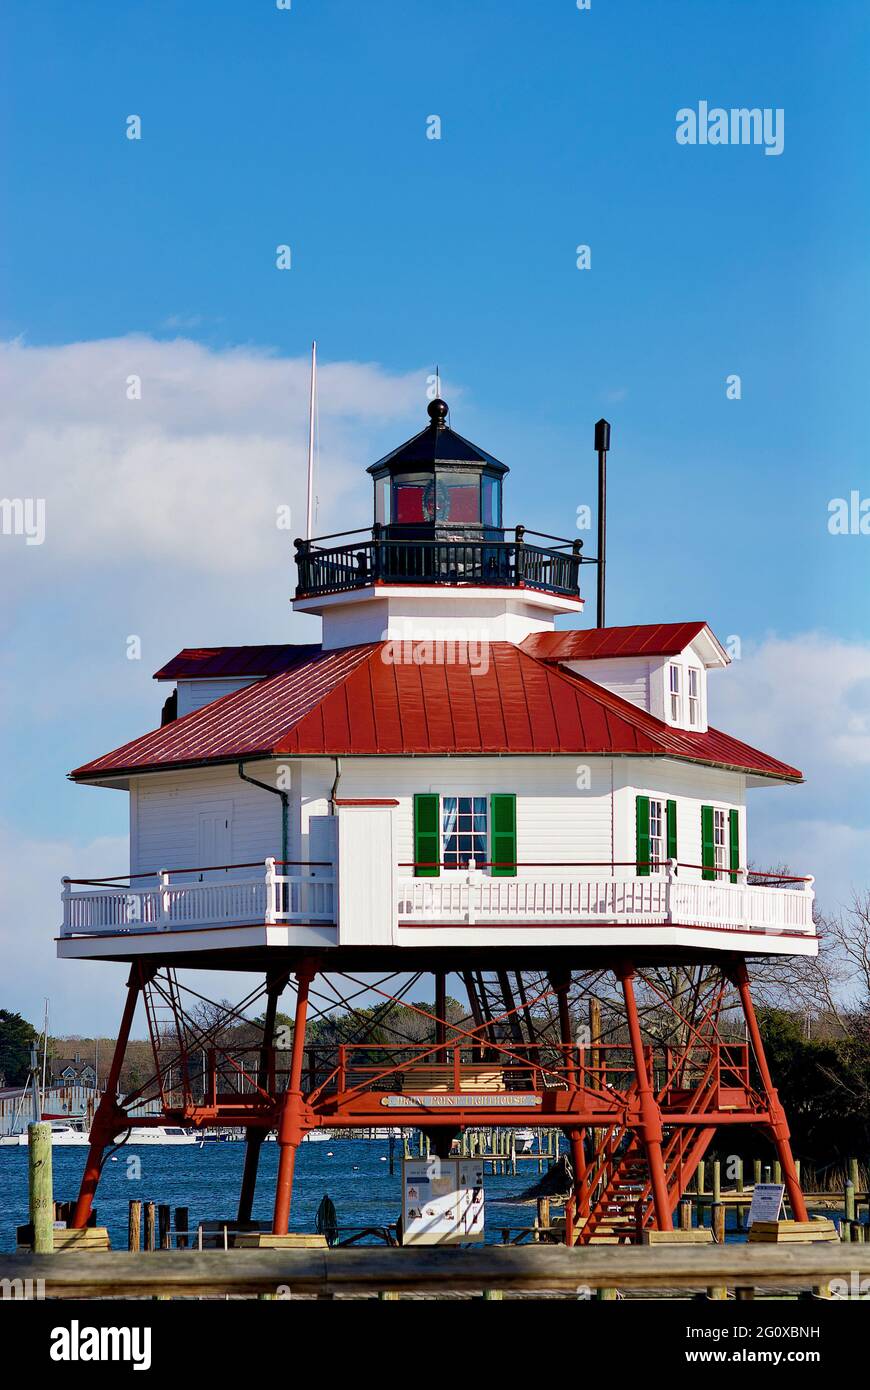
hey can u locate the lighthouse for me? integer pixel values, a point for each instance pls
(450, 792)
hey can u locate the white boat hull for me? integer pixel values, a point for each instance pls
(156, 1135)
(60, 1138)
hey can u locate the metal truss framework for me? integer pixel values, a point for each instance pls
(639, 1067)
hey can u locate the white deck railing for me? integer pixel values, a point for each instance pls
(164, 905)
(659, 898)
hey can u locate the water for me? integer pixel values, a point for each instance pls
(206, 1180)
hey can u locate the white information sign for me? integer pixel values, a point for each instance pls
(766, 1202)
(442, 1201)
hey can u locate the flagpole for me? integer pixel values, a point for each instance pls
(309, 521)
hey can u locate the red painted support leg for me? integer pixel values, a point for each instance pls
(561, 985)
(578, 1164)
(650, 1128)
(778, 1124)
(254, 1136)
(290, 1128)
(109, 1120)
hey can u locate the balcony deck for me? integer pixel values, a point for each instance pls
(274, 904)
(475, 898)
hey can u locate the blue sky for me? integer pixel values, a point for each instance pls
(308, 127)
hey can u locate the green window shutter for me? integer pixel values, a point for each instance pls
(734, 837)
(503, 834)
(427, 835)
(642, 853)
(708, 852)
(672, 830)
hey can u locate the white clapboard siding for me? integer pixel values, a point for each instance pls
(690, 786)
(557, 819)
(628, 677)
(166, 808)
(193, 695)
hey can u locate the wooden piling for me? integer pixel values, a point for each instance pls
(164, 1226)
(182, 1216)
(150, 1215)
(718, 1292)
(40, 1191)
(134, 1225)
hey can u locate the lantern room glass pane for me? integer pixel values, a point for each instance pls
(490, 501)
(409, 497)
(455, 499)
(383, 499)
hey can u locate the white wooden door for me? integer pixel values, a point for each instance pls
(215, 838)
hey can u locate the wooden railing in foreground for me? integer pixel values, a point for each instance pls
(371, 1270)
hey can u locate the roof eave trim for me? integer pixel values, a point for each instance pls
(97, 778)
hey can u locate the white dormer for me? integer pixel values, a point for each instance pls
(202, 675)
(660, 667)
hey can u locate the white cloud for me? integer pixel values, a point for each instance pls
(191, 474)
(806, 699)
(160, 522)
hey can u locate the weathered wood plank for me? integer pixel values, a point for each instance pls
(538, 1267)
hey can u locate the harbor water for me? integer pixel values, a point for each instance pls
(353, 1172)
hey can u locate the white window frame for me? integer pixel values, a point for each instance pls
(675, 693)
(721, 842)
(693, 679)
(658, 844)
(462, 867)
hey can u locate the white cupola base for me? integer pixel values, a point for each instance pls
(436, 613)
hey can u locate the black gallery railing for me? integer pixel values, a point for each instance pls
(373, 559)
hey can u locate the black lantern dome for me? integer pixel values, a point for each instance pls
(438, 486)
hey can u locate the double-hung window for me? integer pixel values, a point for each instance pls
(694, 685)
(464, 830)
(656, 820)
(656, 834)
(720, 841)
(674, 693)
(451, 831)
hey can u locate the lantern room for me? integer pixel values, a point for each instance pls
(438, 486)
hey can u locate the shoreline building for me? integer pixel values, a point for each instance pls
(540, 823)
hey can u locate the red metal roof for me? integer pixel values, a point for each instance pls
(212, 662)
(363, 701)
(647, 639)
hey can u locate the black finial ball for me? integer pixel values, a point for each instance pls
(437, 411)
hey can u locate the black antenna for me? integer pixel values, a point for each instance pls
(602, 445)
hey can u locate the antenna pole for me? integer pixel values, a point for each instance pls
(312, 396)
(602, 445)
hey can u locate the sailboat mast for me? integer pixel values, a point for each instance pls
(312, 397)
(44, 1052)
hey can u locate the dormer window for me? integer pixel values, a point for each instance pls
(694, 676)
(674, 690)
